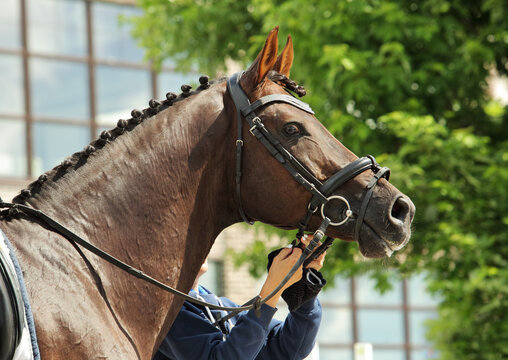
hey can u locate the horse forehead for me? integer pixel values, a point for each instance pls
(285, 111)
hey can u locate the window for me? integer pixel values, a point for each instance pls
(417, 320)
(10, 34)
(57, 27)
(335, 354)
(424, 354)
(381, 326)
(367, 295)
(340, 294)
(112, 41)
(11, 86)
(393, 322)
(418, 295)
(381, 354)
(213, 278)
(336, 326)
(12, 148)
(59, 89)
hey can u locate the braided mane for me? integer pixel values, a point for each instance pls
(78, 159)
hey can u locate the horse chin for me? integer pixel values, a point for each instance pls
(372, 245)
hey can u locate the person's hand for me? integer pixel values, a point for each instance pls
(280, 267)
(317, 263)
(311, 283)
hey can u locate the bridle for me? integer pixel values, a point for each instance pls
(321, 192)
(321, 195)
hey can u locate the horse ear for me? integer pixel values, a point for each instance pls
(285, 59)
(264, 61)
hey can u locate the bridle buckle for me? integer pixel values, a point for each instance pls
(257, 122)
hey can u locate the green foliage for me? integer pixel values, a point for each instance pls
(407, 82)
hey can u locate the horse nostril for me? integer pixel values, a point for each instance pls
(400, 209)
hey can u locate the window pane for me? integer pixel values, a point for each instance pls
(212, 279)
(119, 91)
(111, 37)
(380, 326)
(336, 326)
(417, 320)
(418, 294)
(12, 148)
(57, 27)
(366, 294)
(326, 353)
(11, 86)
(339, 294)
(388, 354)
(172, 82)
(425, 354)
(10, 34)
(54, 142)
(59, 89)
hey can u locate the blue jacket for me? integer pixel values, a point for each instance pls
(193, 337)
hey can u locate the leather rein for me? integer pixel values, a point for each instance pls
(320, 196)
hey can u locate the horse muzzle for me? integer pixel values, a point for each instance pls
(380, 237)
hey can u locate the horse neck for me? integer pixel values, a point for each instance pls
(156, 198)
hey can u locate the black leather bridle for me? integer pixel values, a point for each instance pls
(321, 192)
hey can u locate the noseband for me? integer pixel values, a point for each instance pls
(321, 192)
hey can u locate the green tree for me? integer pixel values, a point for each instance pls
(407, 82)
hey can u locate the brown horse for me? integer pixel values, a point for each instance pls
(156, 191)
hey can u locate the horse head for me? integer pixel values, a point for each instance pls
(270, 191)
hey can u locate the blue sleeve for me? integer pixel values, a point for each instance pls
(295, 337)
(193, 337)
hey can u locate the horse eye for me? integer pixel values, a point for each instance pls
(291, 129)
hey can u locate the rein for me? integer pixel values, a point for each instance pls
(74, 238)
(255, 303)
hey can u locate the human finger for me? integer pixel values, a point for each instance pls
(284, 253)
(318, 262)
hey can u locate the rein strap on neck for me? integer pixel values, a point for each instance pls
(74, 238)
